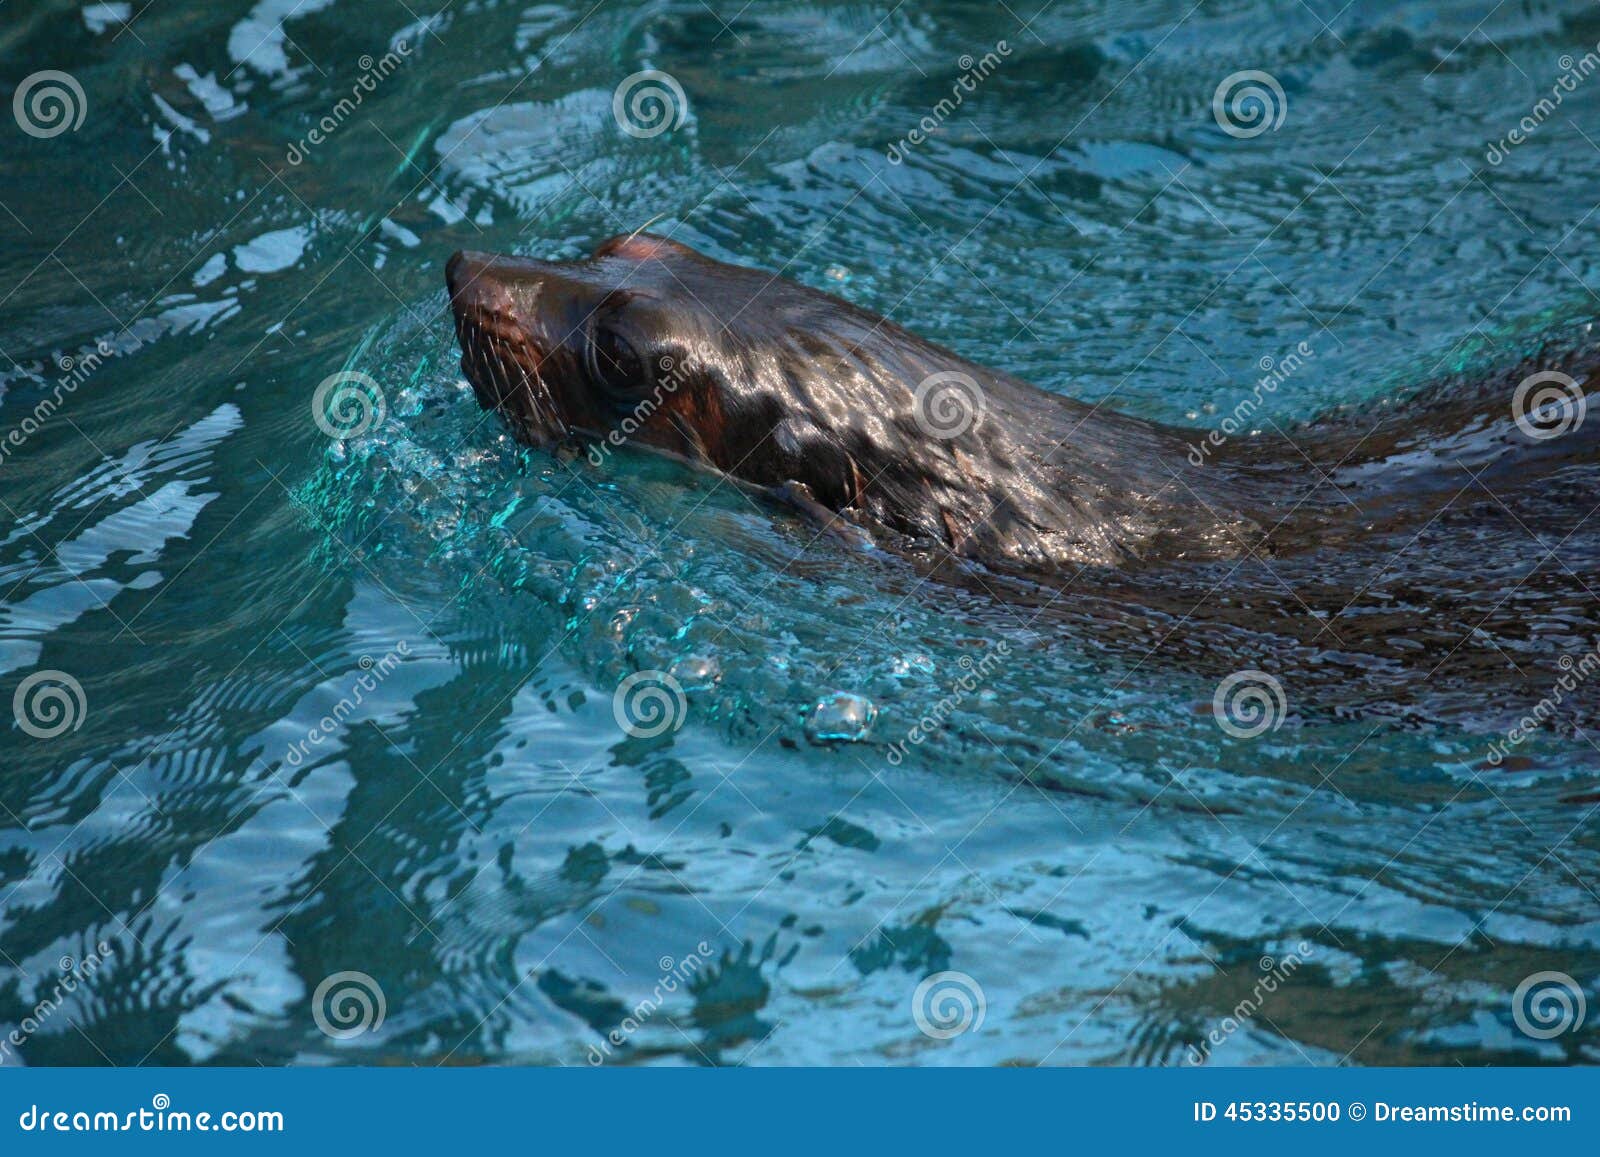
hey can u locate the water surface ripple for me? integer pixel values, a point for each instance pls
(347, 706)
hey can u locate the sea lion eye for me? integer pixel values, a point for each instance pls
(614, 365)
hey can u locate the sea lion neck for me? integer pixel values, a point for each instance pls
(1042, 481)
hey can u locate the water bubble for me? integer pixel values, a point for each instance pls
(902, 666)
(840, 718)
(697, 672)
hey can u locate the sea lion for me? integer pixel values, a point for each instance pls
(1338, 549)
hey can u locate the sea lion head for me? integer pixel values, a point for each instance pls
(648, 342)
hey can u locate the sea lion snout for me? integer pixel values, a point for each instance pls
(458, 270)
(496, 302)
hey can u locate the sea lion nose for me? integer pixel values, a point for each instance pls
(453, 270)
(491, 284)
(470, 279)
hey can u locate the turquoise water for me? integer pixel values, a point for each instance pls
(515, 877)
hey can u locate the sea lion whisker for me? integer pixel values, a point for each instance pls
(646, 225)
(503, 381)
(550, 398)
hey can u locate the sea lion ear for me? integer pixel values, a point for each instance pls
(642, 247)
